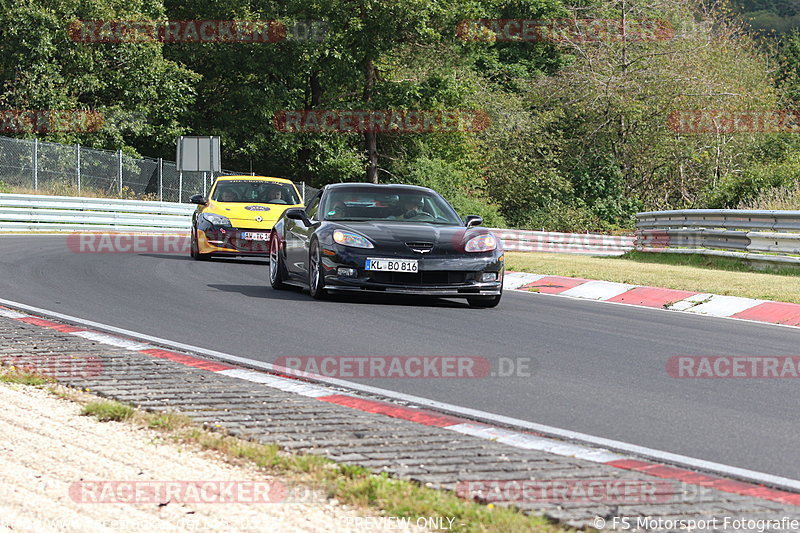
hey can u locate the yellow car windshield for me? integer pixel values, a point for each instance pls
(252, 191)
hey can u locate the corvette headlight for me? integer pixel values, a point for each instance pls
(216, 220)
(348, 238)
(481, 243)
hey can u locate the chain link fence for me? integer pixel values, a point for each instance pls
(48, 168)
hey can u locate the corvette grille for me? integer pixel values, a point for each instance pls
(426, 277)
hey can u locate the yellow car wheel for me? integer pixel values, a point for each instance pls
(195, 248)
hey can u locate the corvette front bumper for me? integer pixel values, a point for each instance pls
(447, 275)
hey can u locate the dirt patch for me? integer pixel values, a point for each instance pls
(49, 453)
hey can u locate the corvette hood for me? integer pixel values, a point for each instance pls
(388, 235)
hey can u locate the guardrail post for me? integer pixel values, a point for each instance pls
(36, 164)
(119, 170)
(160, 179)
(78, 166)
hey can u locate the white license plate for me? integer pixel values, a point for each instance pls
(251, 236)
(392, 265)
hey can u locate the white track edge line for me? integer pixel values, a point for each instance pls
(686, 313)
(618, 446)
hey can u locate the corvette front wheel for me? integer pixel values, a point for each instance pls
(277, 270)
(316, 274)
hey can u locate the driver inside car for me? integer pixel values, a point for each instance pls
(411, 207)
(272, 195)
(228, 196)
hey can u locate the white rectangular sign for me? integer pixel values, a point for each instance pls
(200, 154)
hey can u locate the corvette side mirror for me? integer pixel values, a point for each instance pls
(473, 220)
(295, 213)
(198, 199)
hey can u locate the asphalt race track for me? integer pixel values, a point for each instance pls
(599, 368)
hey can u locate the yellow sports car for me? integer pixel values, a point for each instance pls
(238, 215)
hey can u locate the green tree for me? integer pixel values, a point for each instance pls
(141, 95)
(619, 152)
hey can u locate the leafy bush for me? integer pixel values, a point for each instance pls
(758, 178)
(569, 219)
(786, 198)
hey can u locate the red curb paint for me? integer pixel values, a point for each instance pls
(554, 284)
(791, 499)
(782, 313)
(48, 324)
(775, 312)
(651, 296)
(712, 482)
(187, 360)
(627, 464)
(419, 416)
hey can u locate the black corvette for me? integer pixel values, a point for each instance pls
(385, 238)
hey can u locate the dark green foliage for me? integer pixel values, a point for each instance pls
(578, 138)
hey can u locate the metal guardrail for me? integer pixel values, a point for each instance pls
(24, 212)
(761, 236)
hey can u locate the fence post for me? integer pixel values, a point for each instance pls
(78, 166)
(119, 168)
(36, 164)
(205, 186)
(303, 192)
(180, 186)
(160, 179)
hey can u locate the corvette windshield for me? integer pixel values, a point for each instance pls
(398, 205)
(254, 191)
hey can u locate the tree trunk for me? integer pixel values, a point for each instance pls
(313, 98)
(370, 137)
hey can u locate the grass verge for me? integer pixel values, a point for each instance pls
(21, 376)
(716, 275)
(350, 485)
(107, 410)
